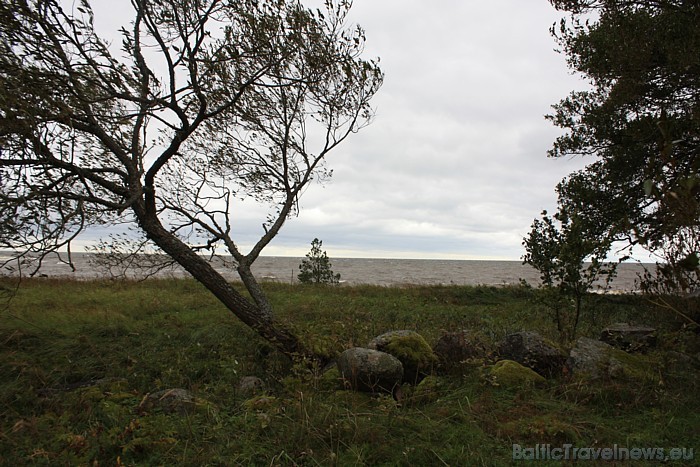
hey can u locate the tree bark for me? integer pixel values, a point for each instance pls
(254, 289)
(259, 320)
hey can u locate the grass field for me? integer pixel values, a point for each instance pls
(77, 360)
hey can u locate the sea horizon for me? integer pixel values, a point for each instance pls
(353, 271)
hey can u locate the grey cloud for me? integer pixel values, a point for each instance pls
(454, 163)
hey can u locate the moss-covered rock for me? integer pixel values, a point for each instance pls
(411, 349)
(591, 359)
(512, 374)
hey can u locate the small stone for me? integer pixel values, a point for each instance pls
(250, 386)
(261, 403)
(175, 400)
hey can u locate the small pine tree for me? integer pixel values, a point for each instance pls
(316, 268)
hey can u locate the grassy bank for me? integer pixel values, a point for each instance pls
(77, 360)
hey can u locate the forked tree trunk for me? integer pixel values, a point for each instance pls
(254, 289)
(259, 320)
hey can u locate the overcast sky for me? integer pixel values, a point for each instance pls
(454, 164)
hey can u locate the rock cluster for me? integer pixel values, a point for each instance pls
(520, 358)
(388, 361)
(411, 349)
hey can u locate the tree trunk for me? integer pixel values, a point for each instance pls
(579, 299)
(259, 320)
(254, 289)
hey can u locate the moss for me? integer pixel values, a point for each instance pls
(643, 368)
(426, 391)
(510, 373)
(414, 353)
(413, 348)
(330, 380)
(262, 403)
(323, 346)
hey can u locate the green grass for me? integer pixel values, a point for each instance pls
(78, 358)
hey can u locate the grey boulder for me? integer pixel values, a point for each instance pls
(533, 351)
(370, 370)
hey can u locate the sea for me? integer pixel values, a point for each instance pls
(353, 271)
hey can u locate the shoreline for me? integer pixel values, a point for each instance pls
(354, 271)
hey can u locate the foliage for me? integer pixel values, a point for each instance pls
(79, 357)
(679, 272)
(639, 118)
(208, 104)
(316, 268)
(570, 262)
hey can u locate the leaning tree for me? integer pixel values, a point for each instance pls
(204, 104)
